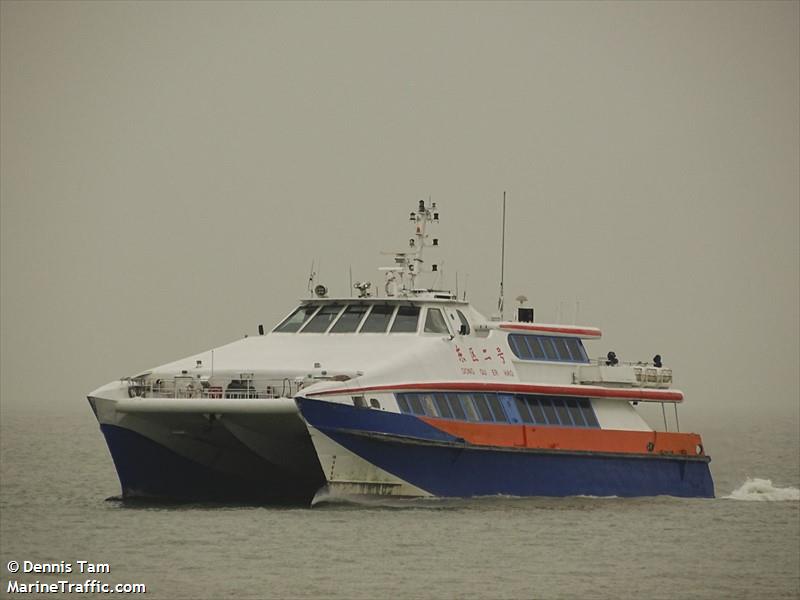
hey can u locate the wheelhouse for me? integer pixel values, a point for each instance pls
(377, 316)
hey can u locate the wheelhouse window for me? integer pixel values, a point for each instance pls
(406, 319)
(378, 319)
(435, 323)
(350, 319)
(295, 320)
(546, 347)
(323, 319)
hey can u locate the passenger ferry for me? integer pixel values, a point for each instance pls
(410, 393)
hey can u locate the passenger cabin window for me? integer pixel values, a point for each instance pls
(442, 406)
(402, 403)
(323, 319)
(546, 347)
(549, 349)
(535, 346)
(350, 319)
(295, 320)
(378, 319)
(456, 407)
(429, 406)
(469, 407)
(488, 408)
(406, 319)
(576, 349)
(435, 323)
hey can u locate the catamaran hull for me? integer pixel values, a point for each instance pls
(210, 457)
(148, 470)
(405, 456)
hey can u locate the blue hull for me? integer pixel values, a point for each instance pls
(147, 469)
(445, 466)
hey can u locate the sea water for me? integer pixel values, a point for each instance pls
(56, 477)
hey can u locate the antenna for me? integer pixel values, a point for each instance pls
(311, 276)
(351, 281)
(502, 259)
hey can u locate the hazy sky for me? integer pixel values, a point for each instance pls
(169, 171)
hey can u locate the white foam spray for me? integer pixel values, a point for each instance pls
(762, 490)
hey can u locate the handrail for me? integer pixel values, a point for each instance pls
(601, 361)
(187, 386)
(644, 374)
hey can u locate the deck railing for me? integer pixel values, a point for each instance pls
(189, 387)
(645, 373)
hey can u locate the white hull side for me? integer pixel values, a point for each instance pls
(349, 475)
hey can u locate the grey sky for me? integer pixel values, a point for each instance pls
(169, 171)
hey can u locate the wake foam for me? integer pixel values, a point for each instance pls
(762, 490)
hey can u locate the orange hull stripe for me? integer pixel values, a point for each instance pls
(571, 438)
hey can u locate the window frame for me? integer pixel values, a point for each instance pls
(311, 315)
(322, 307)
(344, 312)
(428, 311)
(389, 322)
(547, 348)
(397, 313)
(533, 409)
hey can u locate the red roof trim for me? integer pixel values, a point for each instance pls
(585, 391)
(593, 332)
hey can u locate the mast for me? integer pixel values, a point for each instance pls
(502, 259)
(401, 279)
